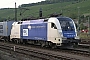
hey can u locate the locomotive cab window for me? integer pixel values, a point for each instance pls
(53, 26)
(66, 24)
(1, 31)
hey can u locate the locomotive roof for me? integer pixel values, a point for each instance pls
(41, 20)
(64, 18)
(33, 21)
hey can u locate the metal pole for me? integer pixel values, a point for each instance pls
(88, 25)
(78, 21)
(40, 12)
(15, 12)
(14, 48)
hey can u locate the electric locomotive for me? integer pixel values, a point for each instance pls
(53, 31)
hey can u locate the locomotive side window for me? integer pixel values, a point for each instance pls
(1, 26)
(1, 31)
(53, 26)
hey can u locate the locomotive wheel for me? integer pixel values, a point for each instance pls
(42, 45)
(16, 41)
(76, 45)
(54, 46)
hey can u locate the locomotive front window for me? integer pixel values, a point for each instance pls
(66, 24)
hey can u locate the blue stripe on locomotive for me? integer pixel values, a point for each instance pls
(69, 34)
(34, 31)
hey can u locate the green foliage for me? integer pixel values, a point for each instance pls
(82, 26)
(50, 2)
(66, 8)
(73, 16)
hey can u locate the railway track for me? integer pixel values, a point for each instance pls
(45, 53)
(86, 46)
(84, 41)
(34, 52)
(77, 51)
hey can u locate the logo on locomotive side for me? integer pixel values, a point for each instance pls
(25, 32)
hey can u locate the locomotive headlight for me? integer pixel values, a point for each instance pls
(77, 37)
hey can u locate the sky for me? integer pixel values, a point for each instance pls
(11, 3)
